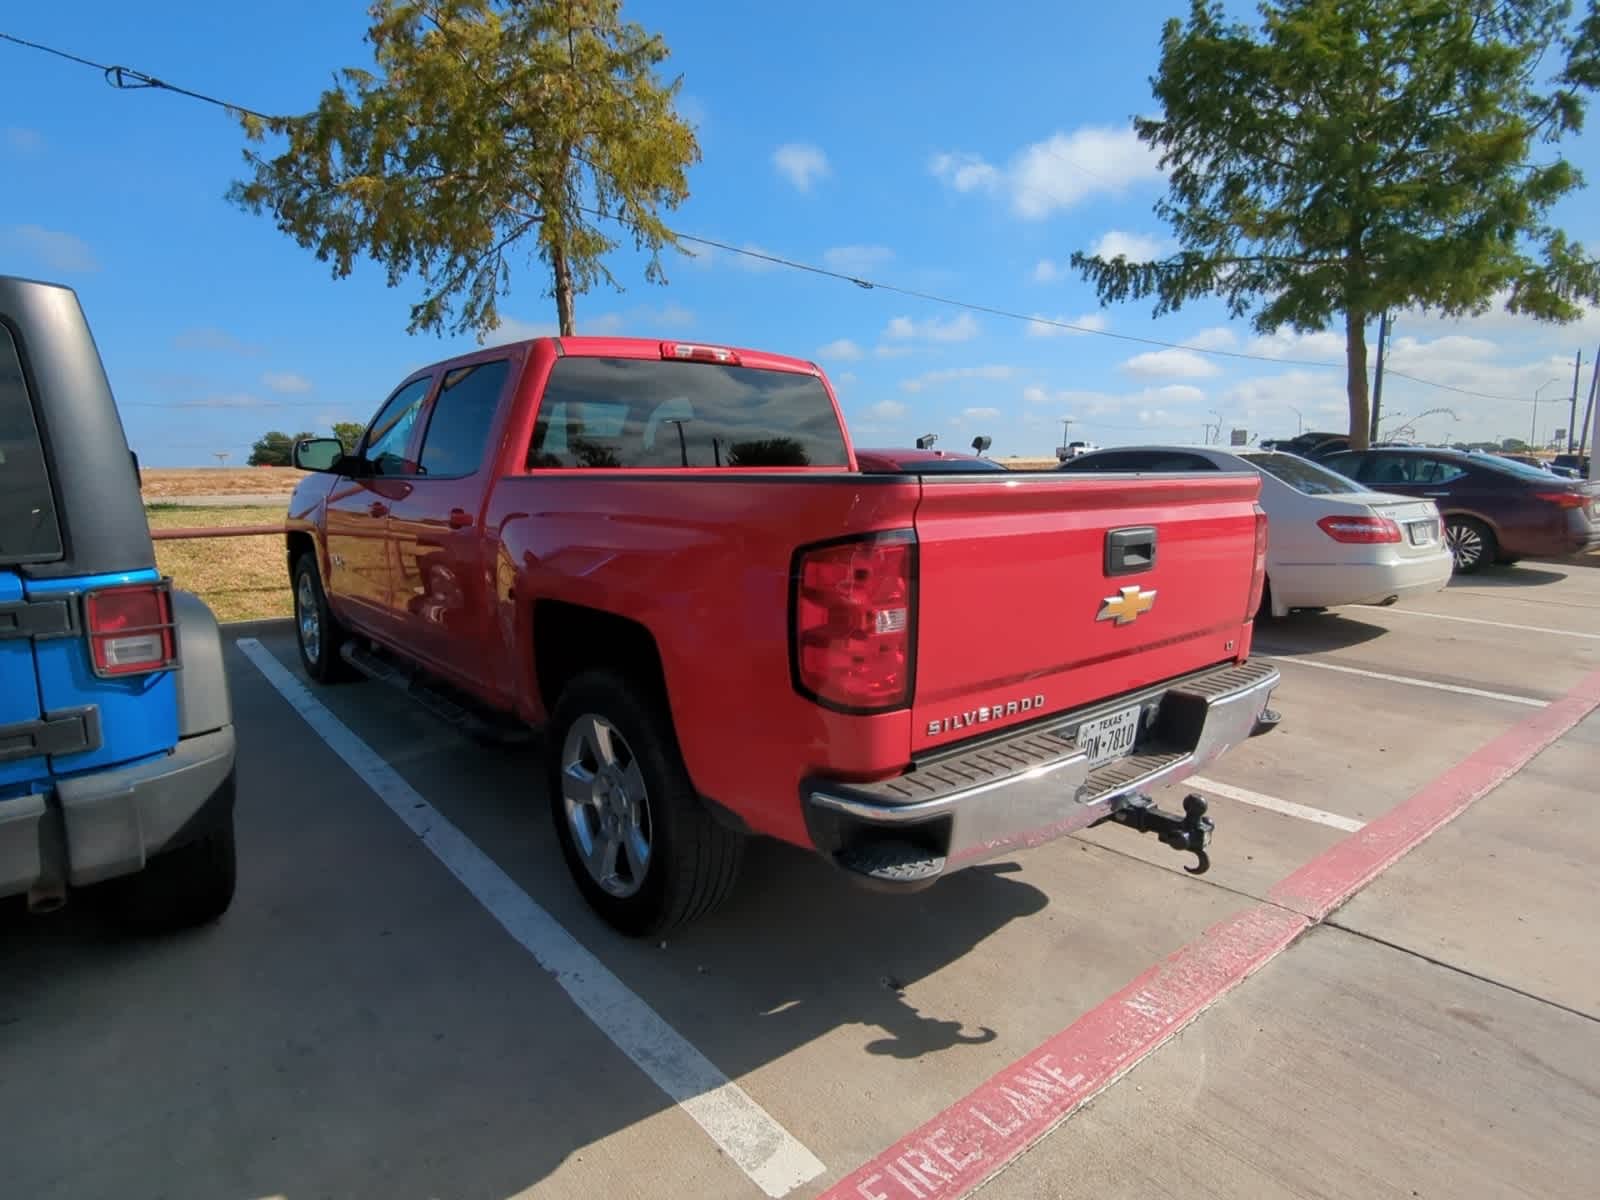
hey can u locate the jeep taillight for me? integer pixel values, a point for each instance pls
(131, 630)
(1258, 565)
(853, 622)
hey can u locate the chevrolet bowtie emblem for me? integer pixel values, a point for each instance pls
(1124, 608)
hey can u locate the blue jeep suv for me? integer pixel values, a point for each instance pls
(116, 731)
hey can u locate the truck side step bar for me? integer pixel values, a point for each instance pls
(892, 864)
(436, 699)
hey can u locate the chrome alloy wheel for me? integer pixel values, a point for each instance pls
(607, 807)
(1466, 544)
(308, 618)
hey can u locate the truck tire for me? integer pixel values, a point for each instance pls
(191, 885)
(642, 848)
(317, 632)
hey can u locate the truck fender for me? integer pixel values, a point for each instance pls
(204, 703)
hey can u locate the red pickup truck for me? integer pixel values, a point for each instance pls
(666, 556)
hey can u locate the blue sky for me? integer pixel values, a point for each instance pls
(916, 143)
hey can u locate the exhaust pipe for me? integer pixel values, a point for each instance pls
(47, 896)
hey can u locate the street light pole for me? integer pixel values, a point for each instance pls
(1299, 421)
(1533, 429)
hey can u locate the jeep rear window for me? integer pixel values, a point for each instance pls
(29, 531)
(625, 412)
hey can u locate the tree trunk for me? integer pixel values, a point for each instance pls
(562, 271)
(1355, 357)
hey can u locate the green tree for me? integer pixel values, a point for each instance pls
(348, 433)
(275, 449)
(485, 123)
(1359, 156)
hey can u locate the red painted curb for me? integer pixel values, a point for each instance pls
(1331, 878)
(970, 1141)
(977, 1136)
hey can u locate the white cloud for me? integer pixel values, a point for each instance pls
(845, 377)
(1287, 343)
(1034, 394)
(888, 410)
(965, 172)
(286, 382)
(23, 141)
(980, 414)
(960, 328)
(51, 248)
(930, 378)
(801, 163)
(513, 330)
(218, 341)
(1082, 406)
(1170, 364)
(1218, 337)
(1135, 247)
(710, 256)
(840, 350)
(886, 351)
(856, 260)
(636, 322)
(1041, 325)
(1056, 174)
(1048, 271)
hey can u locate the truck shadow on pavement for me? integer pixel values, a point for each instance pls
(358, 1025)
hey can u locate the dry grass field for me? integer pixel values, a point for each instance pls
(165, 482)
(242, 578)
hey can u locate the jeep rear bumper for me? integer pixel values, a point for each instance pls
(109, 823)
(1025, 788)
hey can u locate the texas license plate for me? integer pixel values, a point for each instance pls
(1422, 532)
(1106, 738)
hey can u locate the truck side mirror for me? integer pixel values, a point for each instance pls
(318, 454)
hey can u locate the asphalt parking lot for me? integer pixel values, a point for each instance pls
(408, 998)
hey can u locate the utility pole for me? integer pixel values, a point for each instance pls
(221, 456)
(1594, 381)
(1572, 405)
(1377, 380)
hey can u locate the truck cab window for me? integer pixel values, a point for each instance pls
(384, 448)
(458, 429)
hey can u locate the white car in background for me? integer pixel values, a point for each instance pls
(1330, 540)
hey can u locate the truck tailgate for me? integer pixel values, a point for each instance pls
(1018, 615)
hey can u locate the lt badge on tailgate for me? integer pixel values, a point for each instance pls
(1125, 607)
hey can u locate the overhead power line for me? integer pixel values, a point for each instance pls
(128, 78)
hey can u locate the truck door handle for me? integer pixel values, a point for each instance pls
(1130, 551)
(377, 509)
(1435, 493)
(460, 518)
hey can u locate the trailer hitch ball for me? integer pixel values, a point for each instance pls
(1189, 833)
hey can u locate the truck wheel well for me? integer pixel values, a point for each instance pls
(570, 639)
(298, 543)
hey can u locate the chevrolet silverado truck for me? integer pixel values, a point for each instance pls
(116, 733)
(665, 556)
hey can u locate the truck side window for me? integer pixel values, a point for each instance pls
(390, 432)
(655, 415)
(458, 429)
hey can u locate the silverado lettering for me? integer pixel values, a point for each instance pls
(609, 537)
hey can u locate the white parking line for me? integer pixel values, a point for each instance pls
(762, 1148)
(1528, 701)
(1287, 807)
(1414, 612)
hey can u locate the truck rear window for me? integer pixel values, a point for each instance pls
(626, 412)
(29, 531)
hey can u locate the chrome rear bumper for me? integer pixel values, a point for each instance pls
(1025, 788)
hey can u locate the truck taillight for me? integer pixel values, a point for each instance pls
(130, 629)
(1258, 566)
(853, 622)
(1361, 530)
